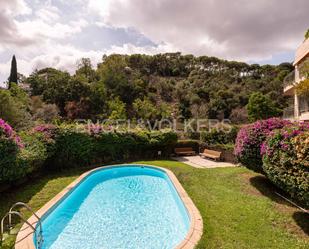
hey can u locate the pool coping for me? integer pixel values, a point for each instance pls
(24, 239)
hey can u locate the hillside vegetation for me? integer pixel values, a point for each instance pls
(153, 87)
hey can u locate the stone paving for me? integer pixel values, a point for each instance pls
(200, 162)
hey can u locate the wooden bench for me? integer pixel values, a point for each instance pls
(184, 151)
(216, 155)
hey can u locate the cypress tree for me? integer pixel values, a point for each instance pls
(13, 74)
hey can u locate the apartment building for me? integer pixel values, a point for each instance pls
(299, 110)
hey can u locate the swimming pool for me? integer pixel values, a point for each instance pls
(127, 206)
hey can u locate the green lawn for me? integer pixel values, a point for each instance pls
(239, 208)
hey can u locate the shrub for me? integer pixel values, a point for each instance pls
(251, 137)
(81, 146)
(47, 134)
(286, 160)
(194, 144)
(10, 145)
(73, 147)
(134, 144)
(220, 136)
(261, 107)
(34, 153)
(65, 146)
(13, 107)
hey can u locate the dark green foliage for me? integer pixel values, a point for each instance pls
(13, 75)
(14, 106)
(220, 136)
(132, 145)
(194, 144)
(72, 148)
(261, 107)
(85, 69)
(199, 87)
(8, 167)
(34, 154)
(119, 79)
(15, 162)
(76, 148)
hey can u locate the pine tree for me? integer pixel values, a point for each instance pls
(13, 74)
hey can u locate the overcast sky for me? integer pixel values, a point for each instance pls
(56, 33)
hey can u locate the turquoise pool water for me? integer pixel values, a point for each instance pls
(129, 207)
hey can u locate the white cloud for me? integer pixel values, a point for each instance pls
(48, 14)
(238, 29)
(40, 30)
(132, 49)
(9, 34)
(15, 7)
(65, 57)
(42, 33)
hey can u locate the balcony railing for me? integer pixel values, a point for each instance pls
(304, 69)
(289, 79)
(288, 113)
(303, 105)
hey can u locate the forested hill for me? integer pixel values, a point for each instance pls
(163, 85)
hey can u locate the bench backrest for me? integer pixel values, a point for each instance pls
(184, 149)
(212, 152)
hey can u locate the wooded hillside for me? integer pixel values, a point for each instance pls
(159, 86)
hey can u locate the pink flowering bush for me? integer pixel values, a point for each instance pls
(94, 129)
(48, 130)
(7, 132)
(47, 133)
(19, 159)
(286, 160)
(250, 139)
(10, 145)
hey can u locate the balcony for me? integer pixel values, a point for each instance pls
(303, 69)
(288, 113)
(288, 83)
(302, 52)
(303, 108)
(302, 112)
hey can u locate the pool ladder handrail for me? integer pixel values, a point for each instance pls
(39, 236)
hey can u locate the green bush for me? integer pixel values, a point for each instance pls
(66, 146)
(220, 136)
(17, 161)
(8, 167)
(79, 146)
(131, 145)
(194, 144)
(10, 145)
(286, 161)
(73, 148)
(261, 107)
(34, 153)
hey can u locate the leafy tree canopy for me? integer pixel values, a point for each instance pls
(261, 107)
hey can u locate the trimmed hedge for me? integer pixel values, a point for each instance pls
(250, 139)
(77, 147)
(65, 146)
(286, 161)
(194, 144)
